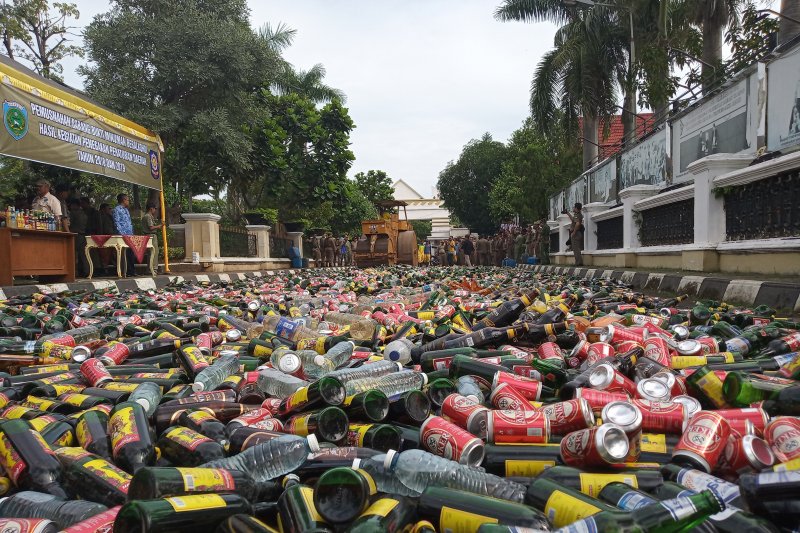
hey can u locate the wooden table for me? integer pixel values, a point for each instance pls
(117, 243)
(47, 254)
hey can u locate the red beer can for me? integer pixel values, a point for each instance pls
(466, 413)
(783, 435)
(597, 399)
(581, 350)
(269, 424)
(271, 405)
(708, 345)
(250, 417)
(629, 418)
(657, 349)
(550, 350)
(597, 351)
(607, 378)
(116, 354)
(613, 334)
(662, 417)
(517, 427)
(447, 440)
(566, 417)
(626, 346)
(746, 454)
(529, 388)
(504, 396)
(676, 385)
(737, 417)
(95, 372)
(704, 440)
(595, 446)
(653, 389)
(527, 371)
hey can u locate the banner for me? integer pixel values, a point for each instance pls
(645, 163)
(783, 102)
(556, 205)
(46, 123)
(576, 192)
(603, 183)
(720, 125)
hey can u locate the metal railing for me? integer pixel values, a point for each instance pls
(768, 208)
(554, 244)
(279, 247)
(237, 242)
(609, 233)
(668, 224)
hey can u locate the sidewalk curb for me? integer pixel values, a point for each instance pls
(778, 295)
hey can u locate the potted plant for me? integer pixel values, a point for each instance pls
(262, 216)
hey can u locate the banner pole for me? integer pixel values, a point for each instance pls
(164, 224)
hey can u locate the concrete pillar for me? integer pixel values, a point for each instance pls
(262, 239)
(589, 212)
(630, 227)
(297, 239)
(563, 235)
(202, 235)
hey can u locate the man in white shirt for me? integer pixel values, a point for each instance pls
(45, 201)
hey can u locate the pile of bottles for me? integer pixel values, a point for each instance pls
(398, 399)
(27, 219)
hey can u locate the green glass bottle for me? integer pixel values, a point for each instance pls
(699, 315)
(742, 389)
(562, 505)
(182, 514)
(242, 523)
(328, 424)
(707, 387)
(385, 515)
(591, 483)
(371, 406)
(383, 437)
(456, 510)
(93, 478)
(342, 494)
(161, 482)
(668, 516)
(625, 497)
(296, 510)
(326, 391)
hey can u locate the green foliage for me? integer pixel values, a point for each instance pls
(422, 228)
(375, 185)
(465, 185)
(344, 214)
(750, 39)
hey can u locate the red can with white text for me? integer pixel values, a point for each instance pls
(95, 372)
(246, 419)
(116, 354)
(607, 378)
(704, 441)
(271, 405)
(657, 349)
(550, 350)
(466, 413)
(613, 334)
(447, 440)
(529, 388)
(597, 351)
(597, 399)
(737, 417)
(268, 424)
(504, 396)
(517, 427)
(746, 454)
(566, 417)
(595, 446)
(783, 436)
(662, 417)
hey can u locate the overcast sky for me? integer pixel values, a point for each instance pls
(422, 77)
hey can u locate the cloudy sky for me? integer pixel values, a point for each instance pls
(422, 77)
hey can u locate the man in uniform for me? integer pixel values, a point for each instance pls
(483, 250)
(329, 245)
(45, 201)
(576, 232)
(316, 250)
(151, 227)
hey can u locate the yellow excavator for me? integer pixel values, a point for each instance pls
(387, 240)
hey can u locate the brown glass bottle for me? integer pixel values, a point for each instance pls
(183, 446)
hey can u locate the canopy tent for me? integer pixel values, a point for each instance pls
(54, 124)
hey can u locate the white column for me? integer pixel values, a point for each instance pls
(297, 239)
(262, 239)
(202, 235)
(589, 212)
(563, 231)
(630, 229)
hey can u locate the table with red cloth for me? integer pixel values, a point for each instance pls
(139, 244)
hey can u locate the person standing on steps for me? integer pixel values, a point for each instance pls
(576, 232)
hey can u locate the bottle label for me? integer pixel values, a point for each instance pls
(382, 507)
(196, 502)
(122, 428)
(300, 397)
(679, 508)
(15, 411)
(120, 386)
(206, 479)
(633, 500)
(738, 345)
(563, 509)
(778, 478)
(39, 403)
(109, 473)
(373, 489)
(83, 433)
(285, 328)
(517, 467)
(298, 425)
(654, 442)
(307, 494)
(72, 453)
(587, 525)
(458, 520)
(356, 432)
(698, 481)
(9, 458)
(187, 438)
(99, 523)
(198, 417)
(592, 484)
(74, 398)
(41, 422)
(195, 358)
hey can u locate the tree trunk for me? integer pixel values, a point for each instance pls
(712, 53)
(590, 140)
(629, 118)
(788, 29)
(7, 44)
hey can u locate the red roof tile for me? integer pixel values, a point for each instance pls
(612, 143)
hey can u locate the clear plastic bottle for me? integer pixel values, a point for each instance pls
(468, 386)
(338, 355)
(285, 359)
(370, 370)
(271, 459)
(288, 328)
(79, 336)
(391, 384)
(32, 504)
(385, 481)
(314, 365)
(210, 377)
(148, 395)
(418, 469)
(361, 329)
(275, 383)
(399, 350)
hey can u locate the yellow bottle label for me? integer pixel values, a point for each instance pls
(120, 386)
(187, 438)
(122, 428)
(794, 464)
(109, 473)
(10, 460)
(63, 389)
(356, 432)
(516, 467)
(563, 509)
(592, 484)
(15, 411)
(198, 417)
(72, 453)
(711, 385)
(457, 520)
(39, 403)
(319, 345)
(196, 502)
(381, 507)
(82, 432)
(298, 425)
(373, 489)
(298, 398)
(308, 496)
(653, 442)
(75, 398)
(206, 479)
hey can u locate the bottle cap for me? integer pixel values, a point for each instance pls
(198, 386)
(313, 443)
(390, 455)
(144, 403)
(319, 360)
(424, 379)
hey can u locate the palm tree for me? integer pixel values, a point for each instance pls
(581, 75)
(712, 16)
(788, 29)
(307, 83)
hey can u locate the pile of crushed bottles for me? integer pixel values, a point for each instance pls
(397, 399)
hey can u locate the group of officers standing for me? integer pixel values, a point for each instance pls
(515, 243)
(329, 251)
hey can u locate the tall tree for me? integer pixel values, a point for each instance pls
(712, 17)
(307, 83)
(464, 185)
(375, 185)
(789, 29)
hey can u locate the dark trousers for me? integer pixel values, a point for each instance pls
(81, 264)
(130, 263)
